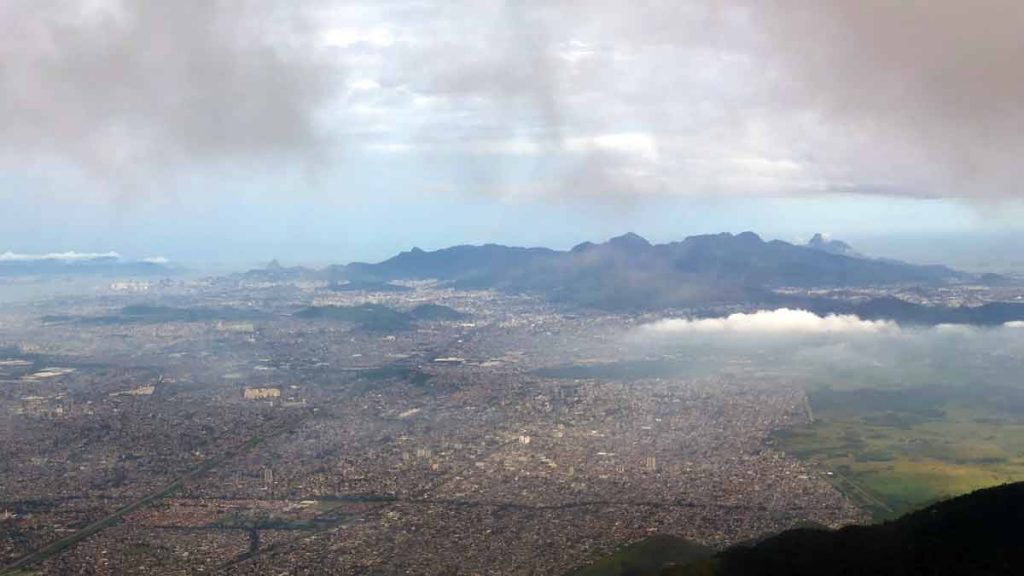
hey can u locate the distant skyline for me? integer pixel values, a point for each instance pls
(216, 134)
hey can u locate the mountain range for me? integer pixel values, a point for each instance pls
(629, 273)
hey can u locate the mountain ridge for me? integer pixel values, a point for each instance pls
(825, 244)
(628, 272)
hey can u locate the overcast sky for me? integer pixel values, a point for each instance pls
(236, 131)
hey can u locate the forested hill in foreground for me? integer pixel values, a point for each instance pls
(981, 533)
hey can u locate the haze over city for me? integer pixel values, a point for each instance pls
(568, 287)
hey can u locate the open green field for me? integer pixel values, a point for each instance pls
(893, 450)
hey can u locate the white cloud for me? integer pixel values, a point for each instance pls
(70, 256)
(955, 329)
(1014, 324)
(344, 37)
(637, 144)
(781, 321)
(363, 84)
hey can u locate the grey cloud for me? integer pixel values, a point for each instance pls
(905, 98)
(111, 86)
(738, 97)
(552, 73)
(929, 92)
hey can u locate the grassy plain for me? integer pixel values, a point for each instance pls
(898, 450)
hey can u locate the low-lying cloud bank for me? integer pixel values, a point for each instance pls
(781, 321)
(73, 257)
(785, 321)
(70, 256)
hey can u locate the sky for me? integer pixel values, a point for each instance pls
(231, 132)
